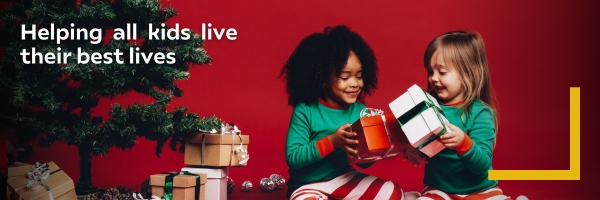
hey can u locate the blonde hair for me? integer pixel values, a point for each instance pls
(465, 51)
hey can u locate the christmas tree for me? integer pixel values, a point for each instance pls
(53, 101)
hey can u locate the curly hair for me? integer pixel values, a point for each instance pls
(321, 56)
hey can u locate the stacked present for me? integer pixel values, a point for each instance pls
(208, 154)
(40, 181)
(227, 148)
(216, 180)
(178, 185)
(421, 119)
(379, 136)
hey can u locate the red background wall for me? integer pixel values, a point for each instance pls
(536, 50)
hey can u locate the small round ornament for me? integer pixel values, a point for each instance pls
(267, 185)
(273, 176)
(278, 180)
(246, 186)
(230, 185)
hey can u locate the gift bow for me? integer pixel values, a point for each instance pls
(371, 112)
(39, 172)
(230, 129)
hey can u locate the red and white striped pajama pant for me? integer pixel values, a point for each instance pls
(431, 193)
(351, 185)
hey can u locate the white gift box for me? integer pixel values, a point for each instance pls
(421, 119)
(216, 184)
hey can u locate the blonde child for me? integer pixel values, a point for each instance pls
(459, 79)
(325, 77)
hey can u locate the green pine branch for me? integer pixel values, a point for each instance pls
(54, 102)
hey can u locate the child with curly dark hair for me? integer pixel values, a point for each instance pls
(327, 77)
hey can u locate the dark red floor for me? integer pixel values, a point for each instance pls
(256, 193)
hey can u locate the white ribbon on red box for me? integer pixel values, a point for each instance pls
(372, 112)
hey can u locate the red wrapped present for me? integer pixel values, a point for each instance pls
(379, 137)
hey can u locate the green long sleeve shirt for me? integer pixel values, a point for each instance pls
(467, 173)
(311, 123)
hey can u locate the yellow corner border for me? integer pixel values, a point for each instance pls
(574, 147)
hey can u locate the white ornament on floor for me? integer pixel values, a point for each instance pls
(521, 197)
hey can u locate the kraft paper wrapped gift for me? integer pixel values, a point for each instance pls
(216, 150)
(421, 119)
(59, 185)
(216, 182)
(185, 186)
(379, 137)
(17, 169)
(14, 171)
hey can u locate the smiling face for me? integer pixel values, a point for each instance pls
(344, 89)
(444, 79)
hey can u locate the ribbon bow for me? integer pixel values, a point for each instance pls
(370, 112)
(39, 172)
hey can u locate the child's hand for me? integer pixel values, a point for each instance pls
(414, 156)
(343, 139)
(454, 138)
